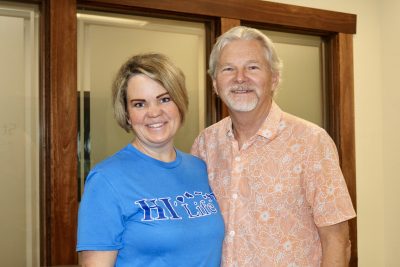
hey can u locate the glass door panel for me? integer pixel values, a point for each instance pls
(107, 40)
(19, 133)
(302, 91)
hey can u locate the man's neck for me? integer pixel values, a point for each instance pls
(246, 124)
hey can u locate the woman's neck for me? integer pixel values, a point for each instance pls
(164, 153)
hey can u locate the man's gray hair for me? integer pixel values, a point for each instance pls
(245, 33)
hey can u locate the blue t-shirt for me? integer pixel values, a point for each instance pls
(154, 213)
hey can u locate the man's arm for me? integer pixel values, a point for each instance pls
(97, 258)
(335, 245)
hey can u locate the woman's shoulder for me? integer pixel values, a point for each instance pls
(113, 163)
(189, 158)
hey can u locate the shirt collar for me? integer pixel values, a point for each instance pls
(228, 127)
(269, 129)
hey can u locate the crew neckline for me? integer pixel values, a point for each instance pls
(163, 164)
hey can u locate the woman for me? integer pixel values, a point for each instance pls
(149, 204)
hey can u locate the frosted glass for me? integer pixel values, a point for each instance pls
(301, 92)
(19, 201)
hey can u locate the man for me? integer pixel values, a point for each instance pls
(276, 176)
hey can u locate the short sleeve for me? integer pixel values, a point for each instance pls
(100, 217)
(326, 189)
(198, 147)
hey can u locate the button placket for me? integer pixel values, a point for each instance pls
(234, 189)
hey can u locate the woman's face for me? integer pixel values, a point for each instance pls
(153, 115)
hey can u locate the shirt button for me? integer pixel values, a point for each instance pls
(232, 233)
(237, 158)
(234, 196)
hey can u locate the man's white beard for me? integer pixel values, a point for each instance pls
(248, 103)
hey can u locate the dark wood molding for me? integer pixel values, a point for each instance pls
(341, 118)
(45, 139)
(59, 183)
(226, 24)
(212, 104)
(27, 1)
(271, 13)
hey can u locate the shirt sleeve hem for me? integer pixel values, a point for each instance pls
(329, 223)
(98, 247)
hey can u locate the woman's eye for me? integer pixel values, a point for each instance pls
(165, 99)
(138, 105)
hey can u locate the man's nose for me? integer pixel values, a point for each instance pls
(241, 75)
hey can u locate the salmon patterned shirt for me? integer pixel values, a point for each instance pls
(275, 191)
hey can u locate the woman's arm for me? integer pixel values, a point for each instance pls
(91, 258)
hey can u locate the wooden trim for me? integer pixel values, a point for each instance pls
(341, 118)
(346, 145)
(271, 13)
(60, 134)
(27, 1)
(44, 117)
(226, 24)
(212, 106)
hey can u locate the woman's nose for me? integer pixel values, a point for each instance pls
(154, 110)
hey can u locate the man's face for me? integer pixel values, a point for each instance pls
(243, 79)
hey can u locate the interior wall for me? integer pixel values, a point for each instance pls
(376, 67)
(390, 21)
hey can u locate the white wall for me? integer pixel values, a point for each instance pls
(390, 89)
(376, 67)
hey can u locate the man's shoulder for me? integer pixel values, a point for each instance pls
(210, 138)
(304, 129)
(300, 123)
(220, 126)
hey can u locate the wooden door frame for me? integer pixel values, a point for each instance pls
(58, 103)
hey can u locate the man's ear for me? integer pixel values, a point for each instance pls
(215, 87)
(275, 82)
